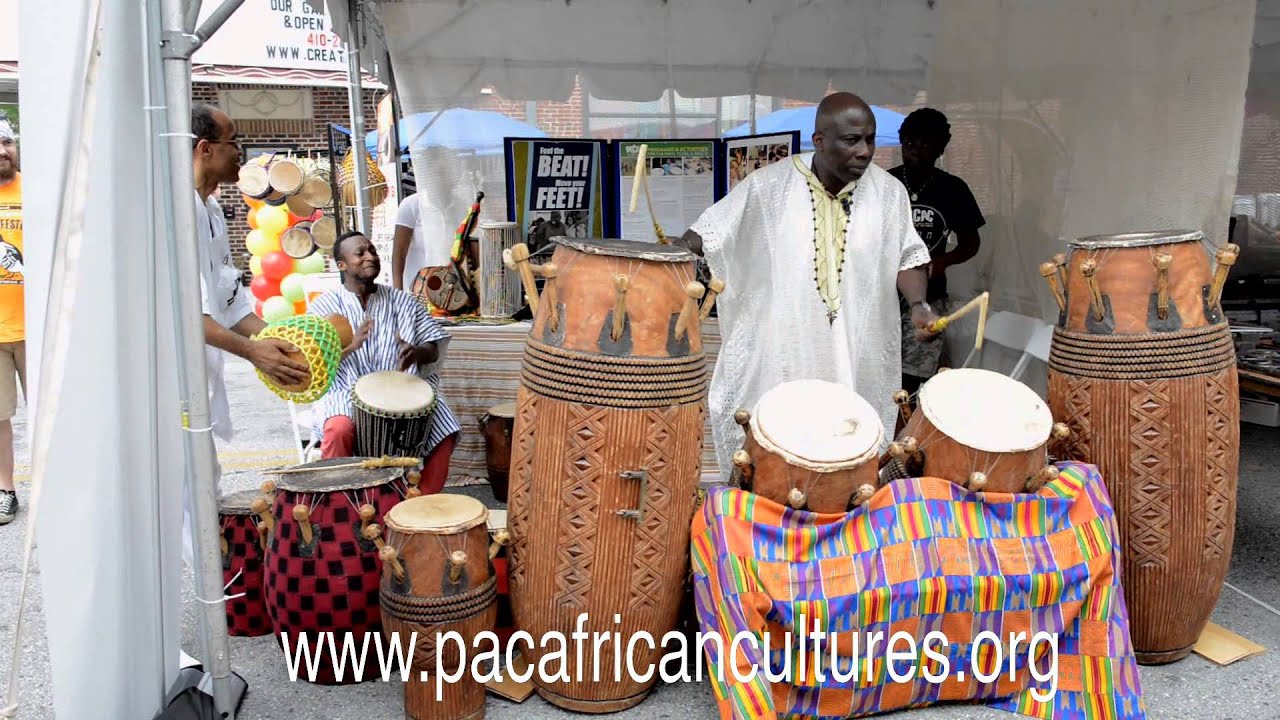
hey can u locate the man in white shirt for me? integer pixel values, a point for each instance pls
(417, 244)
(229, 322)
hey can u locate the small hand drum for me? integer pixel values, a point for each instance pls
(319, 342)
(392, 412)
(812, 445)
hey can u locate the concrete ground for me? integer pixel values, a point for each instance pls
(1193, 688)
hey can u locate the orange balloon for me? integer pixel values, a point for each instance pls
(253, 218)
(311, 296)
(300, 307)
(252, 202)
(295, 219)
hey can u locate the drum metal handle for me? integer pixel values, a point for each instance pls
(643, 476)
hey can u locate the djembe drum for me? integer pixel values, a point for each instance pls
(437, 578)
(607, 454)
(1142, 368)
(243, 548)
(392, 412)
(496, 427)
(810, 444)
(981, 430)
(322, 571)
(499, 290)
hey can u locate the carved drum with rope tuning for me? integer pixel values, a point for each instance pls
(980, 430)
(606, 454)
(437, 577)
(244, 538)
(322, 569)
(1143, 370)
(810, 444)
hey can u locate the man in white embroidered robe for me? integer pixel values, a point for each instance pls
(813, 251)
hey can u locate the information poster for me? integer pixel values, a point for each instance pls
(745, 155)
(682, 183)
(558, 183)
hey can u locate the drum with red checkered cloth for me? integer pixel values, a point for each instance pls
(242, 553)
(322, 573)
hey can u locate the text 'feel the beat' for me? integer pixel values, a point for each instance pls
(565, 194)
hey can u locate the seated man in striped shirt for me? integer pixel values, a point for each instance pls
(393, 332)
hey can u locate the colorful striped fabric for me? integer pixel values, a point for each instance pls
(927, 567)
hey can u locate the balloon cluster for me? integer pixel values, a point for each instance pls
(289, 233)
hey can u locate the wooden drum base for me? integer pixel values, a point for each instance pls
(1160, 417)
(594, 707)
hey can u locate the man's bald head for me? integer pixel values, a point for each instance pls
(844, 139)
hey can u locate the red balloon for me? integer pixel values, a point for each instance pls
(275, 265)
(264, 287)
(316, 215)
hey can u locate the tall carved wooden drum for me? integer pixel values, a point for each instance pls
(1143, 370)
(810, 444)
(606, 457)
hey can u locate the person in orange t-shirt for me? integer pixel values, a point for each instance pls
(13, 333)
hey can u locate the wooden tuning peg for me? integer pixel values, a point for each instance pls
(977, 481)
(389, 556)
(1090, 269)
(689, 314)
(500, 539)
(520, 256)
(261, 509)
(862, 495)
(262, 534)
(367, 513)
(268, 488)
(742, 417)
(1050, 273)
(902, 399)
(302, 515)
(1225, 257)
(1060, 261)
(1043, 477)
(550, 271)
(742, 461)
(796, 498)
(911, 446)
(715, 287)
(621, 285)
(1162, 261)
(457, 561)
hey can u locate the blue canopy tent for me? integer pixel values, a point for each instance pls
(802, 119)
(481, 131)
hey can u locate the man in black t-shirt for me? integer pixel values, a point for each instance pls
(941, 205)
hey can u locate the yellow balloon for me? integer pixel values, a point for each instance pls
(272, 220)
(255, 265)
(261, 242)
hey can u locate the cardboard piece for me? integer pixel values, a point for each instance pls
(509, 688)
(1224, 647)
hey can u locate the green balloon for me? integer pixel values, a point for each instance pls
(276, 309)
(293, 287)
(309, 265)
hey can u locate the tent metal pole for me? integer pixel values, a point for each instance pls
(356, 100)
(177, 47)
(396, 118)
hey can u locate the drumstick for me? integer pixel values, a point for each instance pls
(979, 302)
(640, 173)
(716, 287)
(371, 464)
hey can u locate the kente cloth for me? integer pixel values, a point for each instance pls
(923, 556)
(760, 240)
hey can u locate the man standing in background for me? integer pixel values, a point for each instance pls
(941, 204)
(416, 245)
(13, 334)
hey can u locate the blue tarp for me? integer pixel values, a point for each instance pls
(480, 131)
(802, 119)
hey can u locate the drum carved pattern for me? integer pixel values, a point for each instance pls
(1223, 439)
(1077, 407)
(1150, 489)
(648, 574)
(521, 477)
(581, 503)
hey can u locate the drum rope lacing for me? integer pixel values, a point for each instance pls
(1169, 355)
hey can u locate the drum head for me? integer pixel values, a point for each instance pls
(439, 514)
(627, 249)
(395, 393)
(238, 503)
(321, 476)
(986, 411)
(503, 410)
(817, 425)
(253, 181)
(1139, 239)
(316, 192)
